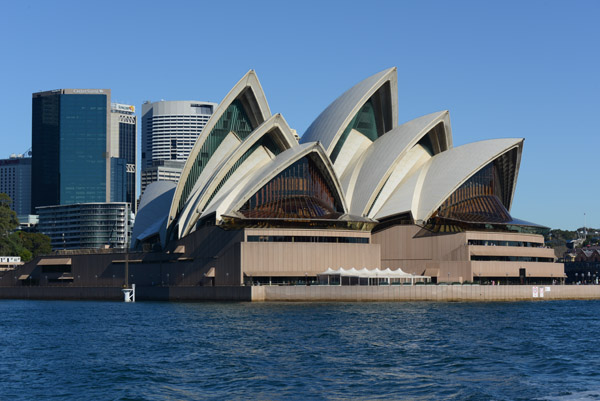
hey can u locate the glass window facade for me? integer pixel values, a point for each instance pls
(481, 203)
(298, 192)
(83, 120)
(127, 142)
(477, 200)
(526, 244)
(307, 238)
(481, 258)
(127, 151)
(45, 134)
(88, 225)
(118, 180)
(69, 138)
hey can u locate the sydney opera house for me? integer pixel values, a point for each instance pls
(359, 190)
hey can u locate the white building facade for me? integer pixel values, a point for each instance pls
(169, 131)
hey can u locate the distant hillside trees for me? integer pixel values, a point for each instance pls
(19, 243)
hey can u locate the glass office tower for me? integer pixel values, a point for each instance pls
(70, 144)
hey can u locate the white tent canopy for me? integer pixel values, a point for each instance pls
(374, 274)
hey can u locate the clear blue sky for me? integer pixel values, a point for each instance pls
(504, 69)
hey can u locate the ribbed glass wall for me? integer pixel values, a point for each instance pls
(477, 200)
(298, 192)
(364, 122)
(234, 119)
(87, 225)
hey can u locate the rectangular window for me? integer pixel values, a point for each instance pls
(56, 269)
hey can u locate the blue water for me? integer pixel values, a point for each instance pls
(386, 351)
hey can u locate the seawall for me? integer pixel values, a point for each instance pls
(436, 293)
(142, 293)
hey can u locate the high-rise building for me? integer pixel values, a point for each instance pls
(15, 181)
(83, 148)
(123, 134)
(169, 131)
(162, 170)
(84, 152)
(71, 147)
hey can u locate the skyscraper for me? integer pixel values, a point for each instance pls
(169, 131)
(84, 148)
(123, 134)
(71, 147)
(84, 152)
(15, 180)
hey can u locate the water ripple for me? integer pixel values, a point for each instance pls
(264, 351)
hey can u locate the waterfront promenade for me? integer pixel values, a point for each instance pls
(431, 293)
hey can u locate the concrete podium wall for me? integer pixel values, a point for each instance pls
(438, 293)
(435, 293)
(191, 293)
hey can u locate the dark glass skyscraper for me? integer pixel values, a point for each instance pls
(71, 147)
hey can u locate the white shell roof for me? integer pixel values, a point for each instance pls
(389, 176)
(383, 155)
(330, 124)
(424, 191)
(194, 209)
(261, 177)
(154, 207)
(248, 81)
(221, 154)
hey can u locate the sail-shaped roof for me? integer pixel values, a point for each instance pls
(382, 157)
(331, 123)
(231, 202)
(242, 110)
(426, 189)
(274, 135)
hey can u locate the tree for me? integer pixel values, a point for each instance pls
(20, 243)
(36, 243)
(8, 217)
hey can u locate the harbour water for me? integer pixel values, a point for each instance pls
(327, 351)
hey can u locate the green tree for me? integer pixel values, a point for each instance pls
(10, 245)
(19, 243)
(36, 243)
(8, 217)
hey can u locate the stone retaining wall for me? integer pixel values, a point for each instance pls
(438, 293)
